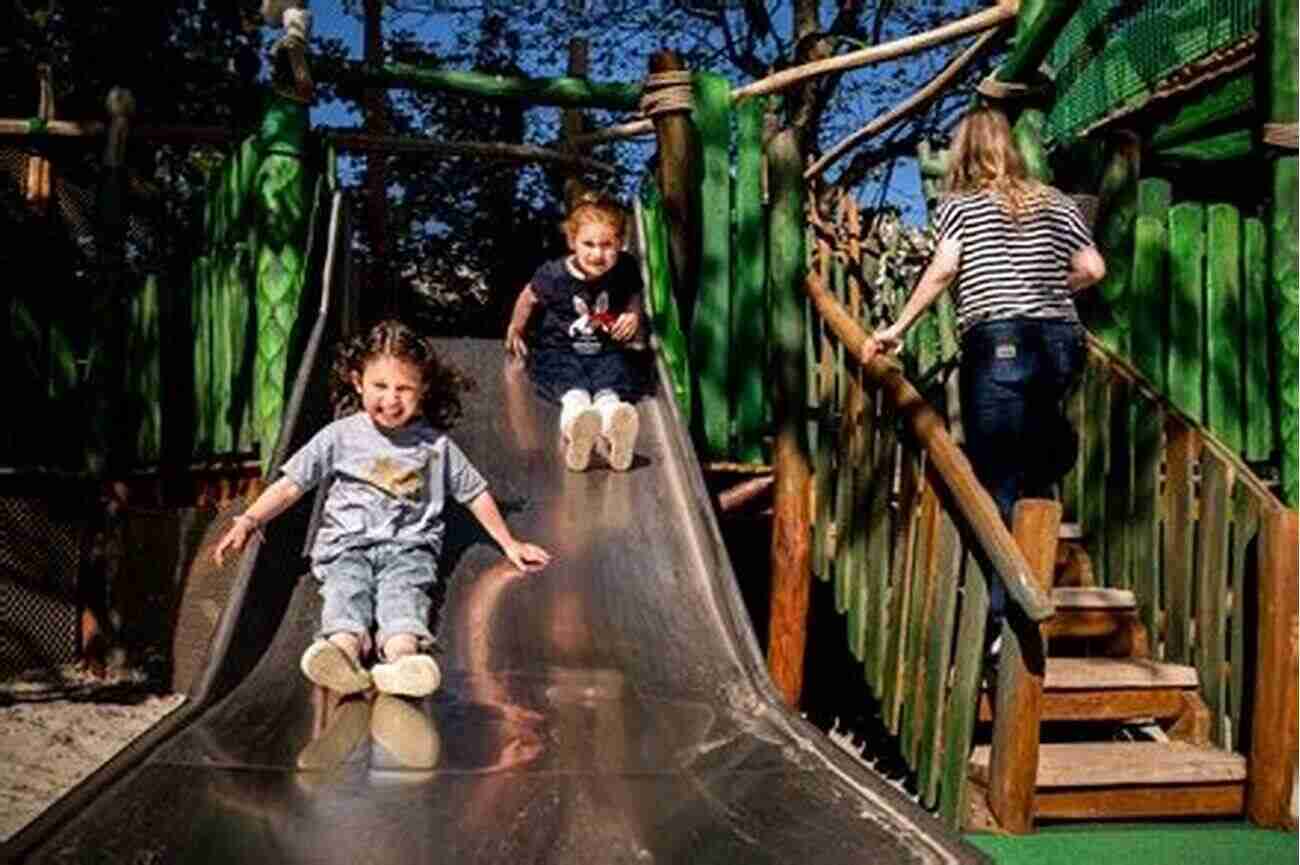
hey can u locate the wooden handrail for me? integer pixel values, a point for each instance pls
(930, 431)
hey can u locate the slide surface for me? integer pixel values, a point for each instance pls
(612, 708)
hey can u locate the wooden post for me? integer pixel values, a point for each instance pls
(791, 547)
(1013, 767)
(572, 121)
(675, 136)
(1284, 251)
(382, 297)
(1116, 215)
(1273, 734)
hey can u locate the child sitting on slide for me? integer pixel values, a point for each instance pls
(589, 310)
(375, 555)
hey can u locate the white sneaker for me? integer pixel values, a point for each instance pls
(620, 436)
(408, 676)
(332, 668)
(579, 438)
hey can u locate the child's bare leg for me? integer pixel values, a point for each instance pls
(579, 427)
(400, 645)
(619, 425)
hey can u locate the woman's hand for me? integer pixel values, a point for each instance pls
(515, 341)
(887, 339)
(625, 326)
(525, 556)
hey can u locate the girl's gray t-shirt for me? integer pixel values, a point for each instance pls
(386, 485)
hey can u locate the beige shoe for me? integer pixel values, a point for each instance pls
(408, 676)
(330, 667)
(579, 438)
(620, 436)
(346, 730)
(403, 730)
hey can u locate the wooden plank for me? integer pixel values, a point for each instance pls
(1154, 195)
(1075, 674)
(1150, 298)
(1245, 532)
(1088, 623)
(1186, 308)
(875, 538)
(938, 657)
(1071, 484)
(849, 512)
(1109, 704)
(820, 426)
(1148, 428)
(749, 302)
(1277, 674)
(923, 602)
(1119, 487)
(1210, 800)
(959, 711)
(1181, 453)
(664, 314)
(1092, 456)
(1212, 588)
(1093, 598)
(1013, 764)
(900, 620)
(1112, 764)
(885, 584)
(1224, 326)
(1257, 339)
(710, 325)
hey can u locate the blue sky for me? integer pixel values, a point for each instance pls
(331, 21)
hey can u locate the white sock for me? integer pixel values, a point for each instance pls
(573, 403)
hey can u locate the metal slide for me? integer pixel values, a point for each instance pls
(612, 708)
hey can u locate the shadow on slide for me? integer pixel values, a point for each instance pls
(612, 708)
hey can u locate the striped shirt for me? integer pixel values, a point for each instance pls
(1012, 269)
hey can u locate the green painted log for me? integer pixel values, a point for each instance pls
(849, 549)
(228, 291)
(1282, 52)
(711, 323)
(1093, 459)
(283, 201)
(1154, 195)
(959, 711)
(664, 315)
(1237, 144)
(1224, 326)
(562, 91)
(1116, 215)
(1212, 554)
(1149, 297)
(1038, 25)
(201, 324)
(144, 375)
(1257, 341)
(1119, 486)
(749, 301)
(1028, 135)
(1245, 529)
(938, 658)
(1226, 102)
(1186, 308)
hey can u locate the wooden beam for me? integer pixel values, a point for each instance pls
(930, 431)
(970, 25)
(632, 129)
(567, 92)
(77, 128)
(791, 546)
(362, 142)
(676, 138)
(908, 106)
(1013, 764)
(1273, 734)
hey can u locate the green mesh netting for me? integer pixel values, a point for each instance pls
(1113, 54)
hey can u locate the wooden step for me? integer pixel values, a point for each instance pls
(1093, 598)
(1111, 689)
(1130, 780)
(1090, 612)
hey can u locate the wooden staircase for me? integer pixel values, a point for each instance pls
(1177, 773)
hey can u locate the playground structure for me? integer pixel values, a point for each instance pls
(1192, 573)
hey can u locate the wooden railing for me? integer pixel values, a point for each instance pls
(1163, 507)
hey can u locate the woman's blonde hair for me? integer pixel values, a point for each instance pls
(984, 158)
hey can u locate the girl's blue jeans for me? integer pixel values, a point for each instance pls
(383, 586)
(1015, 376)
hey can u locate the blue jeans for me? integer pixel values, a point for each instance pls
(382, 584)
(1015, 376)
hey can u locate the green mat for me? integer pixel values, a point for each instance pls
(1143, 844)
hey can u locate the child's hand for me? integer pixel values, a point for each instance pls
(526, 556)
(515, 341)
(625, 326)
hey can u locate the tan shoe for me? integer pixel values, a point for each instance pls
(405, 732)
(620, 436)
(330, 667)
(346, 730)
(579, 438)
(408, 676)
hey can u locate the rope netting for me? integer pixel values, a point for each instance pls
(1114, 55)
